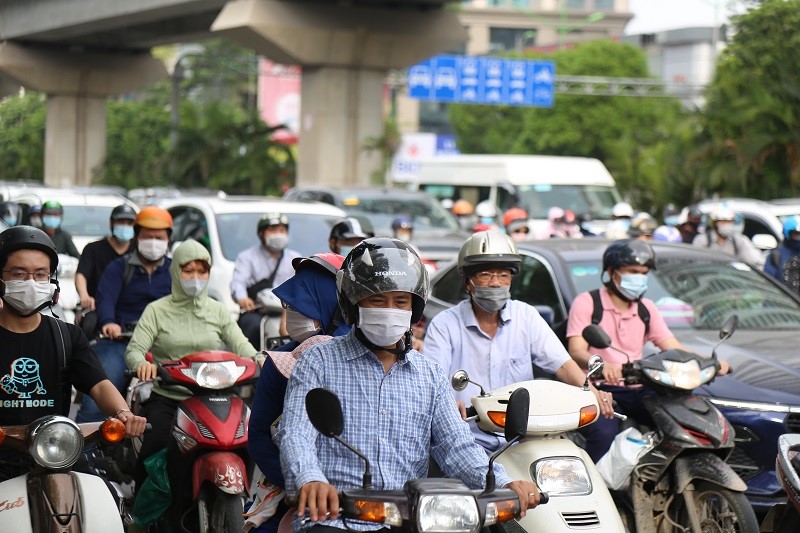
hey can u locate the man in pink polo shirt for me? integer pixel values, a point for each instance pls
(625, 268)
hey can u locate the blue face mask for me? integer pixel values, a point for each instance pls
(51, 221)
(633, 286)
(11, 221)
(122, 232)
(344, 250)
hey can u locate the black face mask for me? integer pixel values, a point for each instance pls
(491, 299)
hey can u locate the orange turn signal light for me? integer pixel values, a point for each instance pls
(498, 418)
(370, 511)
(112, 430)
(2, 436)
(507, 510)
(588, 415)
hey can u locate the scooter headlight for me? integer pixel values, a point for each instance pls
(562, 476)
(55, 443)
(217, 375)
(448, 513)
(681, 375)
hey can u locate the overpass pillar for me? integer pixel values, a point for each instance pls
(77, 85)
(345, 52)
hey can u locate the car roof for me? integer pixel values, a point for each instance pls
(591, 249)
(343, 192)
(238, 204)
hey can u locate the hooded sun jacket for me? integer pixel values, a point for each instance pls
(178, 324)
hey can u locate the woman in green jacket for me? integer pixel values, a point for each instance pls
(184, 322)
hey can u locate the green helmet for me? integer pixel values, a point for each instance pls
(53, 205)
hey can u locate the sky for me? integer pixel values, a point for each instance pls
(658, 15)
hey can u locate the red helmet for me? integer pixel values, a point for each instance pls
(515, 213)
(327, 261)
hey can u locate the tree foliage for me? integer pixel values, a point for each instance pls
(627, 134)
(22, 120)
(752, 120)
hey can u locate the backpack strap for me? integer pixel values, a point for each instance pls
(644, 314)
(61, 338)
(597, 312)
(130, 270)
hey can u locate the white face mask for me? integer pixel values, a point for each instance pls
(193, 287)
(27, 297)
(383, 326)
(152, 249)
(300, 327)
(276, 243)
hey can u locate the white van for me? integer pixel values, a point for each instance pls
(534, 182)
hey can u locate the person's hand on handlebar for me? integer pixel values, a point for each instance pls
(606, 402)
(87, 302)
(612, 373)
(321, 499)
(528, 494)
(462, 409)
(111, 330)
(246, 304)
(146, 371)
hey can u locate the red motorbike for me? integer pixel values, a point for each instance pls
(212, 426)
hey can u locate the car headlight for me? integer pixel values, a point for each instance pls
(686, 376)
(56, 443)
(562, 476)
(448, 513)
(218, 375)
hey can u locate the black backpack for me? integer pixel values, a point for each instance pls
(560, 329)
(63, 342)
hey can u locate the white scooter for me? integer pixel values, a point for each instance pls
(51, 497)
(579, 499)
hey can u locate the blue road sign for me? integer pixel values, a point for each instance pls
(483, 80)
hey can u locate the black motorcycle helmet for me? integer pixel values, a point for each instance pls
(11, 210)
(27, 238)
(629, 253)
(352, 228)
(123, 212)
(379, 265)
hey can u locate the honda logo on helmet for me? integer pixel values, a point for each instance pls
(391, 273)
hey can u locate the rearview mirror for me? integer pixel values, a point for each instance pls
(460, 380)
(325, 412)
(729, 327)
(517, 414)
(596, 337)
(595, 365)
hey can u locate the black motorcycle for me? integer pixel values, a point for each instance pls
(683, 482)
(785, 517)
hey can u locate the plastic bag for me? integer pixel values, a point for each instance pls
(617, 465)
(264, 504)
(155, 495)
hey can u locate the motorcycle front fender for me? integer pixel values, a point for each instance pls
(224, 470)
(708, 467)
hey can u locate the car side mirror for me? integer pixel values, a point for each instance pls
(325, 412)
(596, 337)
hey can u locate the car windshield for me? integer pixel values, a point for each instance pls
(87, 220)
(308, 233)
(593, 199)
(426, 213)
(702, 294)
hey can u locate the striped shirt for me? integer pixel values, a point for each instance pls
(396, 418)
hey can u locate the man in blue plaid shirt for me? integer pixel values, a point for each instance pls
(397, 404)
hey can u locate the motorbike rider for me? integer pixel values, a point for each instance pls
(11, 213)
(37, 381)
(127, 285)
(631, 321)
(97, 255)
(382, 288)
(35, 215)
(348, 232)
(722, 235)
(312, 317)
(494, 338)
(789, 248)
(515, 221)
(643, 225)
(52, 216)
(185, 321)
(621, 216)
(690, 228)
(264, 265)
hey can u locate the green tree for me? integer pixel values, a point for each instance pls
(752, 120)
(22, 120)
(626, 133)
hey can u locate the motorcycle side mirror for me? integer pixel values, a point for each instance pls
(595, 365)
(516, 427)
(325, 413)
(460, 380)
(596, 337)
(729, 327)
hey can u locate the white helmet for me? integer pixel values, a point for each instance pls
(486, 209)
(622, 209)
(722, 213)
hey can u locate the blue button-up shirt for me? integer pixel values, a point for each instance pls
(396, 418)
(455, 340)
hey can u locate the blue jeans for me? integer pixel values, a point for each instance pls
(112, 357)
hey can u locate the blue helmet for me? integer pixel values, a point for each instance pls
(402, 222)
(791, 224)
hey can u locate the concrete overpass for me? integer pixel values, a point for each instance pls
(81, 51)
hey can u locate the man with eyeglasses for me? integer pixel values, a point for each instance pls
(497, 340)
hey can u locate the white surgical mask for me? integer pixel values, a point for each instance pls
(276, 243)
(300, 327)
(726, 230)
(383, 326)
(633, 286)
(193, 287)
(29, 296)
(152, 249)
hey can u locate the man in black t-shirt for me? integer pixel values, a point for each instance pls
(97, 255)
(34, 380)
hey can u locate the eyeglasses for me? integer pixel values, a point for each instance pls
(521, 230)
(20, 274)
(486, 277)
